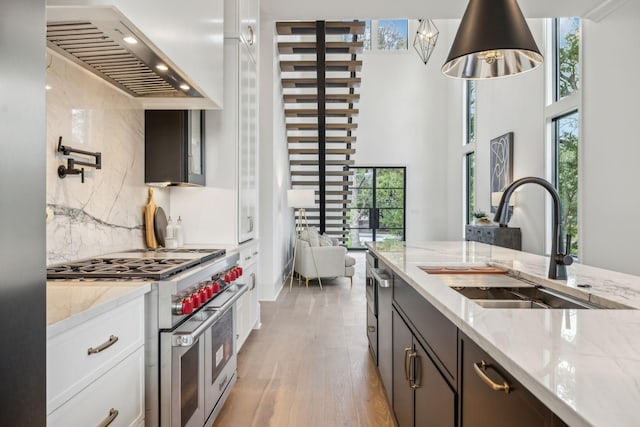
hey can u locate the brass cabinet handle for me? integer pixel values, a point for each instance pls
(480, 368)
(407, 360)
(105, 345)
(416, 373)
(113, 413)
(371, 328)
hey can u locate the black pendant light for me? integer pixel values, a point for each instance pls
(493, 40)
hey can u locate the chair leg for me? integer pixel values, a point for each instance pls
(306, 281)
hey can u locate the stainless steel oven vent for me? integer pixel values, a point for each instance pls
(115, 51)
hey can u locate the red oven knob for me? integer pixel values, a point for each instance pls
(195, 300)
(239, 271)
(187, 306)
(227, 278)
(215, 287)
(234, 274)
(208, 290)
(203, 296)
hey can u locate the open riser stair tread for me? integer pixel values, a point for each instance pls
(306, 137)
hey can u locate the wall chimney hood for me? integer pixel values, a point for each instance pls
(103, 41)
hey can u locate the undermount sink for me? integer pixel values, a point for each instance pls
(494, 287)
(522, 297)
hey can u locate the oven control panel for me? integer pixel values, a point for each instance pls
(198, 295)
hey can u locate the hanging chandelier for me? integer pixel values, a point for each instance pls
(426, 38)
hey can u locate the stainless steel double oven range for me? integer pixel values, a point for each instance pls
(190, 346)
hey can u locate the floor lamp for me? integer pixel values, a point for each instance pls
(301, 199)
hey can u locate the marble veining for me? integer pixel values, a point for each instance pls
(71, 303)
(583, 364)
(103, 214)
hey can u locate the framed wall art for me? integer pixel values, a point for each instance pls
(501, 155)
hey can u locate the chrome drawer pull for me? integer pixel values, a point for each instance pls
(480, 369)
(112, 340)
(113, 413)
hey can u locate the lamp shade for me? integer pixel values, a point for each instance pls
(493, 40)
(297, 198)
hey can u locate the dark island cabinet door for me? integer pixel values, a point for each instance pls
(435, 402)
(402, 391)
(484, 401)
(421, 395)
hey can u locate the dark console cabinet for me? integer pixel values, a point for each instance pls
(174, 147)
(506, 237)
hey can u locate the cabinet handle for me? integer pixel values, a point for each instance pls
(406, 366)
(113, 413)
(371, 329)
(480, 368)
(253, 282)
(105, 345)
(250, 223)
(416, 374)
(247, 258)
(255, 253)
(251, 36)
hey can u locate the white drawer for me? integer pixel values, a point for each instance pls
(121, 389)
(70, 367)
(248, 256)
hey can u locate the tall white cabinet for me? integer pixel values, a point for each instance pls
(232, 153)
(232, 133)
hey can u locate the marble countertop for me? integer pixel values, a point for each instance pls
(72, 303)
(583, 364)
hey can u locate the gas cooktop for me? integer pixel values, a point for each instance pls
(136, 263)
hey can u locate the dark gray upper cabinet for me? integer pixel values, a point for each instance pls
(174, 147)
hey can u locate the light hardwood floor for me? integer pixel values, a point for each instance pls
(309, 365)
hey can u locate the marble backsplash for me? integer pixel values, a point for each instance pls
(105, 213)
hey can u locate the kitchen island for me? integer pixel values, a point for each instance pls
(584, 365)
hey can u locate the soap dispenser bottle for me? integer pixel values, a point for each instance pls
(170, 235)
(179, 232)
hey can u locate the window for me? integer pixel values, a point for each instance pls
(565, 172)
(563, 117)
(468, 149)
(471, 112)
(393, 34)
(470, 166)
(566, 56)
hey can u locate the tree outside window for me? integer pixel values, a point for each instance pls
(393, 34)
(567, 46)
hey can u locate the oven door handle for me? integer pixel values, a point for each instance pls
(187, 339)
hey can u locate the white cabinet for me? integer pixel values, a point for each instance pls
(95, 371)
(232, 151)
(248, 307)
(248, 137)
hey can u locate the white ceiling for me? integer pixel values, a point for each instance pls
(435, 9)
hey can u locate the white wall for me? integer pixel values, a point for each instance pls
(609, 141)
(515, 104)
(276, 219)
(403, 106)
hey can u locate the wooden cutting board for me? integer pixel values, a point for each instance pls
(148, 217)
(481, 269)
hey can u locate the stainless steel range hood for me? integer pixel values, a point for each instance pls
(103, 41)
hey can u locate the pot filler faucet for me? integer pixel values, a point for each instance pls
(558, 260)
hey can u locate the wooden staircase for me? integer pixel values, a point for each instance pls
(319, 68)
